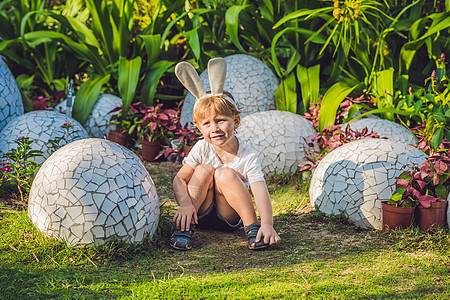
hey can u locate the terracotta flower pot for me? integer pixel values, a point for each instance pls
(118, 137)
(433, 216)
(396, 217)
(150, 149)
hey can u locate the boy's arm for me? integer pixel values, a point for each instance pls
(186, 213)
(264, 207)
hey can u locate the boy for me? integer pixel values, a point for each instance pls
(211, 188)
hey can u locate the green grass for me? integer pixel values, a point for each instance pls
(320, 257)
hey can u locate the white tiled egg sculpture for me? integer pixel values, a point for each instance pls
(40, 126)
(10, 100)
(97, 121)
(278, 138)
(91, 190)
(249, 80)
(354, 178)
(384, 128)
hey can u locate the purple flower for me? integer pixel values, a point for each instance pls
(433, 74)
(20, 138)
(442, 58)
(410, 90)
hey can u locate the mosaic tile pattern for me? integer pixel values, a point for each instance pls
(91, 190)
(97, 121)
(249, 80)
(354, 178)
(277, 136)
(384, 128)
(10, 100)
(41, 126)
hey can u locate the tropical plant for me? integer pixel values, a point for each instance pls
(20, 167)
(41, 65)
(154, 123)
(425, 184)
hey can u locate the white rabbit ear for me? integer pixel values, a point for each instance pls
(217, 72)
(188, 76)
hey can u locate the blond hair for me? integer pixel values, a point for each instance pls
(219, 105)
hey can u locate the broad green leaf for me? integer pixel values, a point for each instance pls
(194, 41)
(310, 83)
(286, 94)
(87, 95)
(128, 80)
(152, 47)
(398, 194)
(330, 103)
(232, 24)
(383, 85)
(152, 79)
(436, 138)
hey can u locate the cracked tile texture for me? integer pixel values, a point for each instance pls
(91, 190)
(41, 126)
(249, 80)
(384, 128)
(97, 121)
(278, 138)
(354, 178)
(10, 100)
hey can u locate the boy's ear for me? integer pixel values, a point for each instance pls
(237, 121)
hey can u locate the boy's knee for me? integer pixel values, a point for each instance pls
(224, 174)
(204, 170)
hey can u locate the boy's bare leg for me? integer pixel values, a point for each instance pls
(200, 188)
(233, 198)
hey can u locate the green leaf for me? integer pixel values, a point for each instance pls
(331, 101)
(86, 97)
(151, 80)
(397, 195)
(383, 85)
(286, 95)
(310, 83)
(128, 80)
(436, 138)
(194, 42)
(232, 24)
(152, 47)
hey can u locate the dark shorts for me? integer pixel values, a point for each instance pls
(212, 219)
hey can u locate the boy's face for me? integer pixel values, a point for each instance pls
(218, 130)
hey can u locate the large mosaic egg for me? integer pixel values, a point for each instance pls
(249, 80)
(280, 138)
(354, 178)
(97, 122)
(385, 129)
(92, 190)
(43, 127)
(10, 100)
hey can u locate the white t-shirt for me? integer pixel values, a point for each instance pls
(246, 163)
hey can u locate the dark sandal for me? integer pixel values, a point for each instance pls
(252, 232)
(182, 240)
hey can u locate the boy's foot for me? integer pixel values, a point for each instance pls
(182, 240)
(252, 232)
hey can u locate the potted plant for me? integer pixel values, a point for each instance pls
(154, 126)
(123, 125)
(398, 212)
(428, 186)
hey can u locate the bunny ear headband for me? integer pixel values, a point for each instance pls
(217, 72)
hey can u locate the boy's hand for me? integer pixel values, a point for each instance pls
(269, 235)
(184, 217)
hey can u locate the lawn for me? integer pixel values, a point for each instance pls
(320, 257)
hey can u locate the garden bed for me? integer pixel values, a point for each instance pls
(319, 257)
